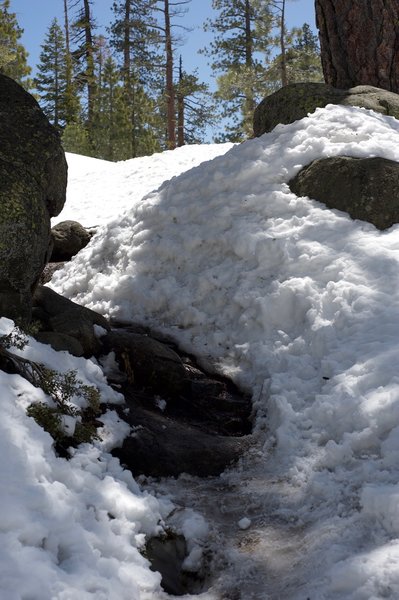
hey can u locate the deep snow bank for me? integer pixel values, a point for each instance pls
(295, 301)
(99, 190)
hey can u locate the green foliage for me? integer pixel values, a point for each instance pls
(197, 104)
(57, 95)
(303, 62)
(15, 339)
(13, 56)
(136, 40)
(63, 388)
(48, 418)
(75, 139)
(239, 54)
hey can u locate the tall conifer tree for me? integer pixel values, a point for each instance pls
(135, 38)
(242, 29)
(13, 56)
(82, 50)
(51, 78)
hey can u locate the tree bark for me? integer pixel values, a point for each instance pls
(359, 42)
(170, 88)
(180, 108)
(284, 78)
(91, 85)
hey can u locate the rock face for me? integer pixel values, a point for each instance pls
(146, 361)
(367, 189)
(184, 420)
(68, 238)
(33, 177)
(296, 100)
(66, 325)
(160, 447)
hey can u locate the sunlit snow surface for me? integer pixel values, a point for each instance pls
(297, 303)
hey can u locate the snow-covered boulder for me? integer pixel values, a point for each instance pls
(297, 100)
(365, 188)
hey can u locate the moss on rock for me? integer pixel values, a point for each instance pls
(297, 100)
(33, 177)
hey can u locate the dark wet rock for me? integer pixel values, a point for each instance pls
(63, 316)
(69, 237)
(60, 341)
(166, 554)
(146, 361)
(33, 180)
(184, 420)
(366, 188)
(161, 446)
(49, 271)
(296, 100)
(78, 325)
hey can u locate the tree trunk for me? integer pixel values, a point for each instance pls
(91, 85)
(180, 108)
(126, 45)
(249, 96)
(359, 42)
(170, 90)
(128, 76)
(283, 67)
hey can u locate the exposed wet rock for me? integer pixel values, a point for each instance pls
(166, 555)
(69, 237)
(60, 315)
(60, 341)
(161, 446)
(196, 423)
(146, 361)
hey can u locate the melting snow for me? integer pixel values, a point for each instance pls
(295, 302)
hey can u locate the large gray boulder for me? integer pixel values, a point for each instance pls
(366, 188)
(33, 178)
(296, 100)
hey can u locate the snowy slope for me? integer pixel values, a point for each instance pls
(99, 190)
(299, 304)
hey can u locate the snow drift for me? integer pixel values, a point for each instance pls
(295, 302)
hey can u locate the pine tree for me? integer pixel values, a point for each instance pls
(13, 56)
(135, 38)
(82, 28)
(71, 100)
(242, 29)
(195, 109)
(169, 11)
(302, 59)
(51, 78)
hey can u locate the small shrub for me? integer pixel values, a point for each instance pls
(62, 388)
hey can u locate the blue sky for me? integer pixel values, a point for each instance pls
(35, 17)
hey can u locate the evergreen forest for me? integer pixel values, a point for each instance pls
(125, 92)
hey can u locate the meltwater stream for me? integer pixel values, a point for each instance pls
(254, 551)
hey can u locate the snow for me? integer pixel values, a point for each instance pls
(99, 190)
(298, 304)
